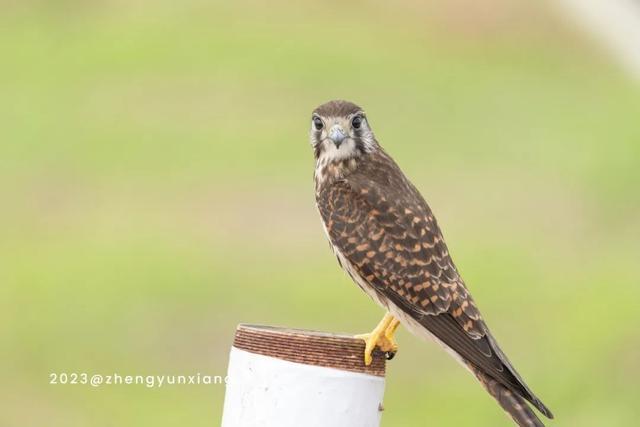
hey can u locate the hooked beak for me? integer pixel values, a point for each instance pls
(337, 135)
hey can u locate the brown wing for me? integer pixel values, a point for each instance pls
(383, 226)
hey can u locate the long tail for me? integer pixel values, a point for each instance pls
(510, 401)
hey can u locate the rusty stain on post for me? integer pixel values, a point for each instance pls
(309, 347)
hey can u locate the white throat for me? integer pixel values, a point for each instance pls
(332, 153)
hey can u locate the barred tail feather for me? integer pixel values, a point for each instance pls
(510, 401)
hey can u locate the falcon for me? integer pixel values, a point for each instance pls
(386, 238)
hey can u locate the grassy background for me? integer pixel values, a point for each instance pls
(155, 190)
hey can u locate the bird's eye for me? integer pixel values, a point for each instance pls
(317, 123)
(356, 122)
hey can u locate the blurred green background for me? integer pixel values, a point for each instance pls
(156, 190)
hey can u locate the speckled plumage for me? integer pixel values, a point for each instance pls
(386, 237)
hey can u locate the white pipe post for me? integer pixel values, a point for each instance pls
(281, 377)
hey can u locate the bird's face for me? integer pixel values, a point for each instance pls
(339, 130)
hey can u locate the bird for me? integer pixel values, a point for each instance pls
(386, 238)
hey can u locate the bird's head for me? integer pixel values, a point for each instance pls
(339, 130)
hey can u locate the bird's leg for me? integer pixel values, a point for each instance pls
(388, 334)
(382, 337)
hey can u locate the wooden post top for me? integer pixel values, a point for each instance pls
(309, 347)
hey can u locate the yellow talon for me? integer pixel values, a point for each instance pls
(381, 337)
